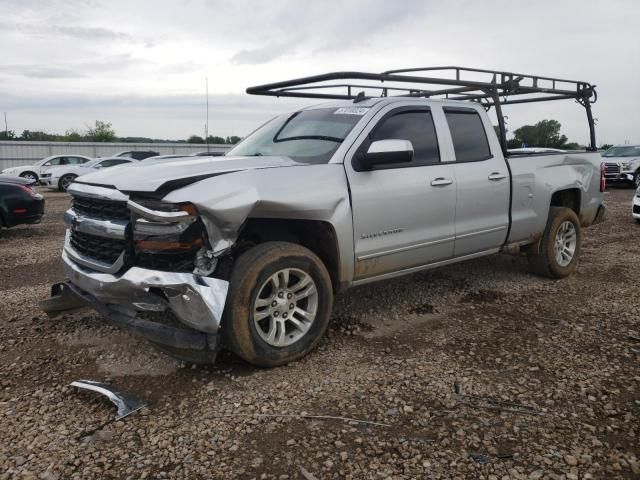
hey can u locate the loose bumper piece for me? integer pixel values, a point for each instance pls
(124, 402)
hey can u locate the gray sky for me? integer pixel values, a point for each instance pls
(141, 64)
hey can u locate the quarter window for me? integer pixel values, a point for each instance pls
(418, 128)
(469, 137)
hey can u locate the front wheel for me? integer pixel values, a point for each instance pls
(279, 304)
(29, 176)
(560, 245)
(65, 181)
(636, 180)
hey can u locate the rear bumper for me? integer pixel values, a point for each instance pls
(25, 212)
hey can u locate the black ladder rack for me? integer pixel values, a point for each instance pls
(493, 88)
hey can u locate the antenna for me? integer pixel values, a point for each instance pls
(206, 125)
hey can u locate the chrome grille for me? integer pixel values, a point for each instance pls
(105, 250)
(100, 209)
(98, 219)
(612, 169)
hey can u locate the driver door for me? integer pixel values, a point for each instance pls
(403, 214)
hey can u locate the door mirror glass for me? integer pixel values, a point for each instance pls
(390, 151)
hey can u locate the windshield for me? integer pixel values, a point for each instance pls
(90, 163)
(622, 152)
(308, 136)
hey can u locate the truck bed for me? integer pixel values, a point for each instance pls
(535, 179)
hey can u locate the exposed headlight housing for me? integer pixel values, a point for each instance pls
(169, 237)
(626, 165)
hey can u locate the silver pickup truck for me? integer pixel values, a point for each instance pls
(246, 251)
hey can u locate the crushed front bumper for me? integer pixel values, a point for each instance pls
(197, 302)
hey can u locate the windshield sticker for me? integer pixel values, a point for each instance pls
(351, 111)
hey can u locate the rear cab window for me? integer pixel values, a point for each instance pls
(468, 134)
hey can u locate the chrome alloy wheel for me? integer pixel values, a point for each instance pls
(285, 307)
(565, 244)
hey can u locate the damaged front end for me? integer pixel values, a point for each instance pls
(131, 259)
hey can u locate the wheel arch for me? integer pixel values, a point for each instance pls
(568, 197)
(316, 235)
(22, 174)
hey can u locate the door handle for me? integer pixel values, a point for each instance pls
(495, 176)
(441, 182)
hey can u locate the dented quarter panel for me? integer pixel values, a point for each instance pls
(319, 193)
(537, 177)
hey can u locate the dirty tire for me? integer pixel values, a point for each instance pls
(545, 262)
(250, 273)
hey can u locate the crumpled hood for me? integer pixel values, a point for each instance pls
(149, 176)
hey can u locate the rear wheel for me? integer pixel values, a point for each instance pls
(560, 245)
(65, 181)
(279, 304)
(30, 176)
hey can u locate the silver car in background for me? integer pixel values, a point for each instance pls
(60, 178)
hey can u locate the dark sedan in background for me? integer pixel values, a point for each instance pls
(19, 202)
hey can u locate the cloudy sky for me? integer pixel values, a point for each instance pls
(142, 64)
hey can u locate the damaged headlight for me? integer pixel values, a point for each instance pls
(170, 237)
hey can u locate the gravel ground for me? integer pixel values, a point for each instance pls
(479, 370)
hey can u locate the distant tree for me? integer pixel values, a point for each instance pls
(232, 140)
(38, 136)
(101, 132)
(7, 135)
(606, 146)
(215, 139)
(572, 146)
(545, 133)
(195, 139)
(72, 135)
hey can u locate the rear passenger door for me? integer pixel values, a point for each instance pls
(403, 213)
(482, 207)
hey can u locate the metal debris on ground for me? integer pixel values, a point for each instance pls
(479, 401)
(479, 458)
(124, 402)
(307, 474)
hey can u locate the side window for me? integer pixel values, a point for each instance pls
(415, 126)
(75, 160)
(54, 162)
(469, 137)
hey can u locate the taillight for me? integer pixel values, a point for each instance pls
(603, 179)
(29, 190)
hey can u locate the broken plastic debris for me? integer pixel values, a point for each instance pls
(124, 402)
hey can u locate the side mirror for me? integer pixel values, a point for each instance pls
(382, 152)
